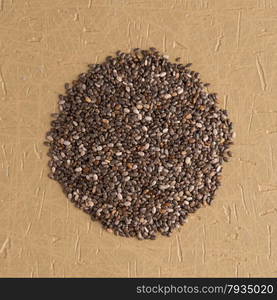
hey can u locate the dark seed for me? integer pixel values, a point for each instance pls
(138, 143)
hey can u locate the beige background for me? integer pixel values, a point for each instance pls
(43, 44)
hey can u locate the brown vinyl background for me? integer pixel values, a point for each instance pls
(45, 43)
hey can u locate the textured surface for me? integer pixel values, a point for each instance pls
(46, 43)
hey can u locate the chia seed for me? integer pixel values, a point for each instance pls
(139, 143)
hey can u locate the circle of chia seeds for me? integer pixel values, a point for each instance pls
(139, 143)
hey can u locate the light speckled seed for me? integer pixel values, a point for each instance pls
(148, 118)
(146, 146)
(164, 187)
(180, 90)
(144, 128)
(188, 161)
(135, 110)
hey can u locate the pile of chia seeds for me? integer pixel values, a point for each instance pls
(139, 143)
